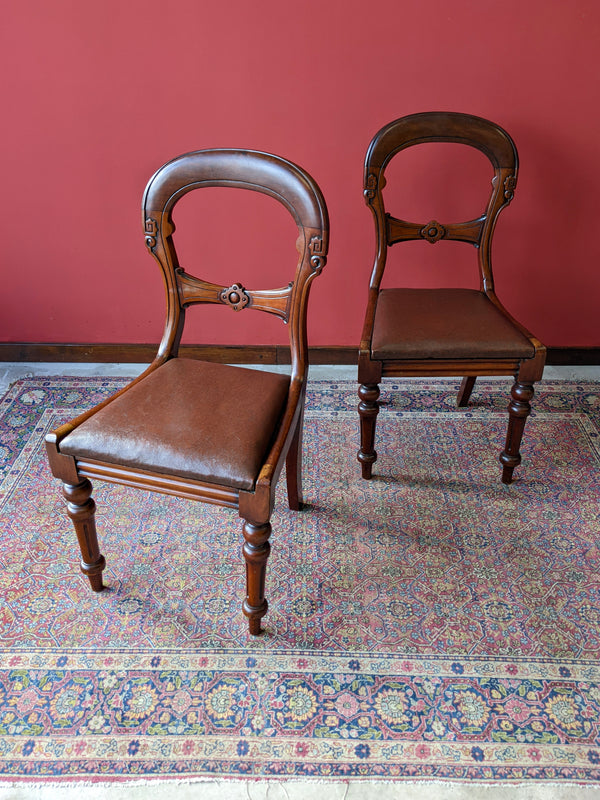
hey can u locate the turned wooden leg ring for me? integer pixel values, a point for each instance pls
(518, 411)
(256, 551)
(368, 408)
(81, 509)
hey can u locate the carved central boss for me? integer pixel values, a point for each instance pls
(236, 297)
(433, 232)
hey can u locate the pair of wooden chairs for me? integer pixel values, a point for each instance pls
(222, 434)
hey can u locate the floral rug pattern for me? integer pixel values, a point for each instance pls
(430, 623)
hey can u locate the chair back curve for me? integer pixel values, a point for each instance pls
(256, 171)
(245, 169)
(450, 127)
(442, 126)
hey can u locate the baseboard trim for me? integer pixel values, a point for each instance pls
(573, 356)
(228, 354)
(144, 353)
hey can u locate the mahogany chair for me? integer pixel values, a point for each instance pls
(443, 331)
(205, 431)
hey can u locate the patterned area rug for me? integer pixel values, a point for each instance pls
(431, 623)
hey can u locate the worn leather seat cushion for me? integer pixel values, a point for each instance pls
(443, 323)
(209, 422)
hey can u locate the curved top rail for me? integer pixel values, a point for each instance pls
(442, 126)
(245, 169)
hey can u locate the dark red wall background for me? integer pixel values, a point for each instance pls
(98, 95)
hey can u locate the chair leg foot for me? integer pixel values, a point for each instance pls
(293, 468)
(464, 393)
(256, 551)
(368, 408)
(81, 509)
(519, 409)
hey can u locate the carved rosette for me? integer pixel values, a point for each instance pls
(509, 187)
(315, 247)
(236, 297)
(150, 230)
(433, 232)
(370, 187)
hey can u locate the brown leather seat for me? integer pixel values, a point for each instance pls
(158, 425)
(444, 324)
(448, 331)
(205, 431)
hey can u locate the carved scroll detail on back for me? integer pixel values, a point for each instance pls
(236, 297)
(371, 187)
(509, 187)
(315, 247)
(150, 229)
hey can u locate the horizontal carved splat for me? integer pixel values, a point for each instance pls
(398, 230)
(194, 290)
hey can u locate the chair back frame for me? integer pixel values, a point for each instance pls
(244, 169)
(450, 127)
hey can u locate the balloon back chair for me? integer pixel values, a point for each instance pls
(205, 431)
(443, 331)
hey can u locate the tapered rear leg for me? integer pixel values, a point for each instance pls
(293, 468)
(256, 551)
(81, 509)
(464, 393)
(368, 408)
(518, 411)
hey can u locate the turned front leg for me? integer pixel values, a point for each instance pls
(518, 411)
(368, 408)
(81, 509)
(256, 551)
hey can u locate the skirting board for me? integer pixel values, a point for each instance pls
(144, 353)
(227, 354)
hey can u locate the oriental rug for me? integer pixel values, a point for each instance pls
(429, 624)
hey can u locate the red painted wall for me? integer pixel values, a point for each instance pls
(98, 95)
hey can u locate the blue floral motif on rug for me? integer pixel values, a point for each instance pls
(430, 623)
